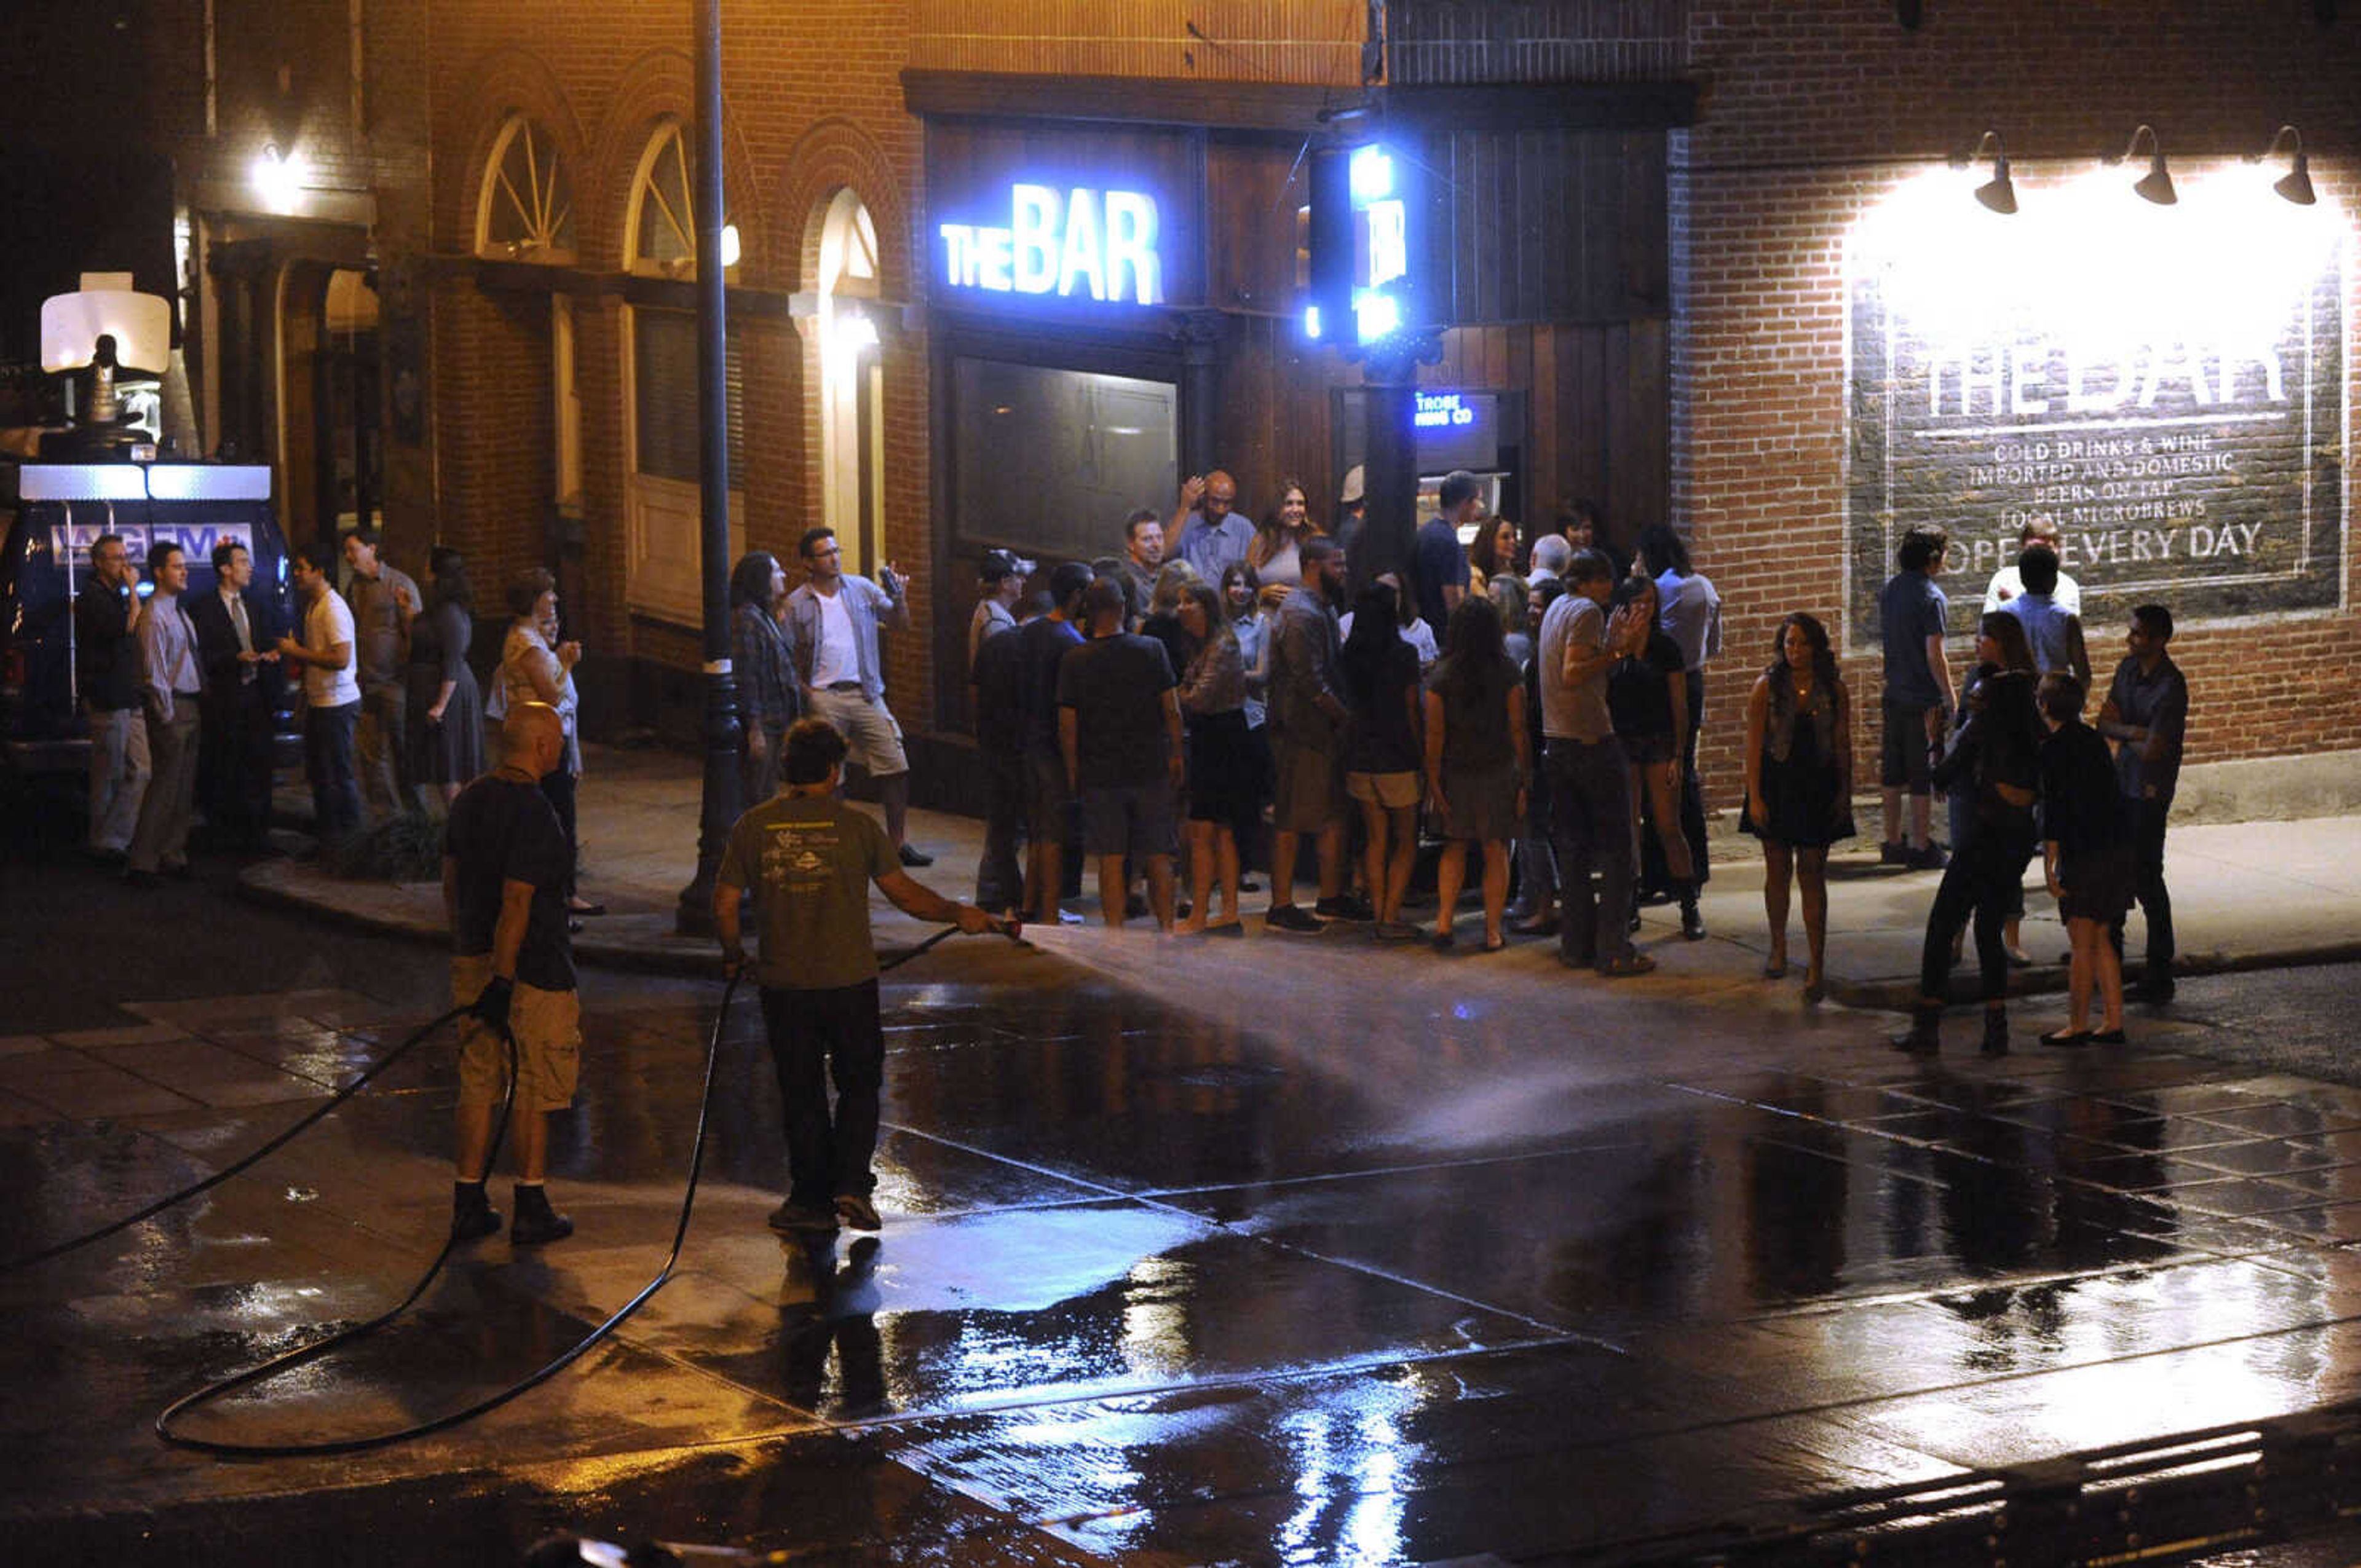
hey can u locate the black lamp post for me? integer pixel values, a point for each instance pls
(719, 808)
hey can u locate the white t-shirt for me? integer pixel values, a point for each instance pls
(327, 622)
(837, 658)
(2007, 583)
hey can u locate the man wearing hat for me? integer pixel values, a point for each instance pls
(1002, 581)
(1352, 513)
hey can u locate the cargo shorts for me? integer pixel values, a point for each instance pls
(548, 1029)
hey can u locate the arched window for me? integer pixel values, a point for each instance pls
(525, 210)
(660, 233)
(851, 382)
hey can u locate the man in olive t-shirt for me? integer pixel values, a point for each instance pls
(807, 858)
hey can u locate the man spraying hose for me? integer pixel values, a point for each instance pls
(505, 866)
(807, 858)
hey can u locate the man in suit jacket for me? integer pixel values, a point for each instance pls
(235, 638)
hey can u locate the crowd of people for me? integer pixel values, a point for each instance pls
(1527, 713)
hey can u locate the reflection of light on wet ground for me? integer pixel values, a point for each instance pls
(1354, 1471)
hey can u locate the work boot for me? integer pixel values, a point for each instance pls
(536, 1221)
(472, 1215)
(1924, 1034)
(1996, 1031)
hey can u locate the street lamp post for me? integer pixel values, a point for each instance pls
(719, 807)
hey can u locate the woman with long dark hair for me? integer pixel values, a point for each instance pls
(770, 698)
(1998, 753)
(1649, 700)
(1477, 761)
(446, 708)
(1381, 673)
(1494, 553)
(1226, 773)
(1275, 551)
(1799, 785)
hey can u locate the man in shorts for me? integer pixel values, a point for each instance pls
(1307, 740)
(1918, 696)
(505, 866)
(807, 858)
(832, 637)
(1119, 735)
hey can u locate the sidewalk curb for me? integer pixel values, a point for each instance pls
(1899, 994)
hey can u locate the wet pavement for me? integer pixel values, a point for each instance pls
(1225, 1252)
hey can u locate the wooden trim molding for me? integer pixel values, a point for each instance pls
(1295, 108)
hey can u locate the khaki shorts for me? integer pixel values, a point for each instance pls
(1308, 796)
(548, 1029)
(874, 738)
(1392, 791)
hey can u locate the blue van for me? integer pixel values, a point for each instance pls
(53, 514)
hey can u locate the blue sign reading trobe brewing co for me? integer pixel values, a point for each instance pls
(2165, 386)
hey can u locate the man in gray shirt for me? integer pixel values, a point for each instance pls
(1590, 799)
(383, 600)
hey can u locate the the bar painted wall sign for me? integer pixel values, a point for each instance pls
(2165, 384)
(1068, 242)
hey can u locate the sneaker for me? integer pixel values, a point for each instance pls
(1893, 854)
(1291, 917)
(1692, 922)
(1924, 1035)
(1930, 858)
(1346, 906)
(857, 1211)
(1996, 1041)
(792, 1216)
(911, 855)
(536, 1221)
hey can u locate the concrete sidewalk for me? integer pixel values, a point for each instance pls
(2245, 895)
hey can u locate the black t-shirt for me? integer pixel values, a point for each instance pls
(1640, 690)
(1043, 644)
(1380, 739)
(999, 678)
(1115, 687)
(502, 831)
(1179, 646)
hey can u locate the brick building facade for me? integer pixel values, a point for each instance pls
(1678, 346)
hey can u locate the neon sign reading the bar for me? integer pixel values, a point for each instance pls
(1098, 243)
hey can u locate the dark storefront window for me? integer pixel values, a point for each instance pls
(1050, 461)
(664, 401)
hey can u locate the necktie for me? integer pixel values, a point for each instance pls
(245, 672)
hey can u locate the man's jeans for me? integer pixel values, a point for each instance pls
(1590, 819)
(999, 876)
(377, 745)
(2154, 901)
(119, 771)
(816, 1036)
(328, 762)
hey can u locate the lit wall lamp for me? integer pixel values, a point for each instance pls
(1999, 192)
(2155, 185)
(279, 179)
(2295, 185)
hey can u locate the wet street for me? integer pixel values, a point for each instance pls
(1251, 1252)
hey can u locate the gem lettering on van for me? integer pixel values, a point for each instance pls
(70, 543)
(1080, 241)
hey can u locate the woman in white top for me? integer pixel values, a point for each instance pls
(537, 667)
(1275, 551)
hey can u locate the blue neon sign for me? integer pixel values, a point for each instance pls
(1364, 207)
(1068, 243)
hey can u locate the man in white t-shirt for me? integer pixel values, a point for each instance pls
(832, 624)
(332, 694)
(2009, 582)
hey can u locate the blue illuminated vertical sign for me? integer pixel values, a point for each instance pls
(1364, 235)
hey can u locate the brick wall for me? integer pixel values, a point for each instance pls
(1211, 40)
(1814, 112)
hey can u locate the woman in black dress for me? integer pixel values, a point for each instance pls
(1648, 694)
(1477, 761)
(1226, 771)
(1799, 785)
(446, 708)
